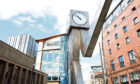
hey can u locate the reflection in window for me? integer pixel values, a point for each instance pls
(115, 80)
(50, 57)
(121, 61)
(138, 32)
(124, 79)
(135, 20)
(56, 57)
(112, 65)
(135, 77)
(44, 57)
(131, 56)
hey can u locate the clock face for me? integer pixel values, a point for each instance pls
(79, 18)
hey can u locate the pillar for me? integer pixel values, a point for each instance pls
(35, 80)
(26, 75)
(19, 75)
(13, 74)
(4, 72)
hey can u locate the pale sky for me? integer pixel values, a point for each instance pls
(43, 18)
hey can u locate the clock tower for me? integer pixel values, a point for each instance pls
(78, 20)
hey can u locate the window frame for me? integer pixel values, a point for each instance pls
(125, 29)
(121, 61)
(138, 32)
(116, 36)
(110, 51)
(127, 40)
(132, 57)
(112, 65)
(135, 20)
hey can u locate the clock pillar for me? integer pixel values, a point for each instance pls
(84, 38)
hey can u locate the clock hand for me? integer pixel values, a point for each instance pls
(78, 17)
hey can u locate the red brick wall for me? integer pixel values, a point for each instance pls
(124, 48)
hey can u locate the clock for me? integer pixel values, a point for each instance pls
(79, 18)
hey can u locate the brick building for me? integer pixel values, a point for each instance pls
(121, 42)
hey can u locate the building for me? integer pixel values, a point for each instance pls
(17, 68)
(52, 57)
(96, 75)
(24, 43)
(121, 41)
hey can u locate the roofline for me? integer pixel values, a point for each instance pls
(114, 9)
(47, 38)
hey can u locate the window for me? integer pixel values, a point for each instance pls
(118, 46)
(116, 36)
(121, 61)
(135, 20)
(110, 51)
(138, 32)
(123, 18)
(112, 65)
(115, 80)
(115, 26)
(132, 57)
(108, 32)
(108, 42)
(134, 8)
(124, 79)
(135, 77)
(127, 40)
(125, 29)
(129, 1)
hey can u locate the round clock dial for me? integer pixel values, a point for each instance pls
(79, 18)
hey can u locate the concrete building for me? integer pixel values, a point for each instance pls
(17, 68)
(24, 43)
(121, 41)
(96, 75)
(52, 57)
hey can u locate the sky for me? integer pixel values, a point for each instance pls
(43, 18)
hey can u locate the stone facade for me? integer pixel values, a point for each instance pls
(17, 68)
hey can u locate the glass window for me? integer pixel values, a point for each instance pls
(50, 57)
(115, 80)
(135, 77)
(125, 29)
(118, 46)
(121, 61)
(134, 8)
(116, 36)
(56, 57)
(131, 57)
(110, 51)
(123, 18)
(44, 57)
(138, 32)
(112, 65)
(108, 32)
(115, 26)
(135, 20)
(108, 42)
(127, 40)
(49, 68)
(124, 79)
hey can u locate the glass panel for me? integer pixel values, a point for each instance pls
(55, 67)
(50, 57)
(56, 57)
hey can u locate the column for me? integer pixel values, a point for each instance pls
(39, 79)
(19, 75)
(77, 72)
(35, 80)
(13, 73)
(26, 75)
(4, 73)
